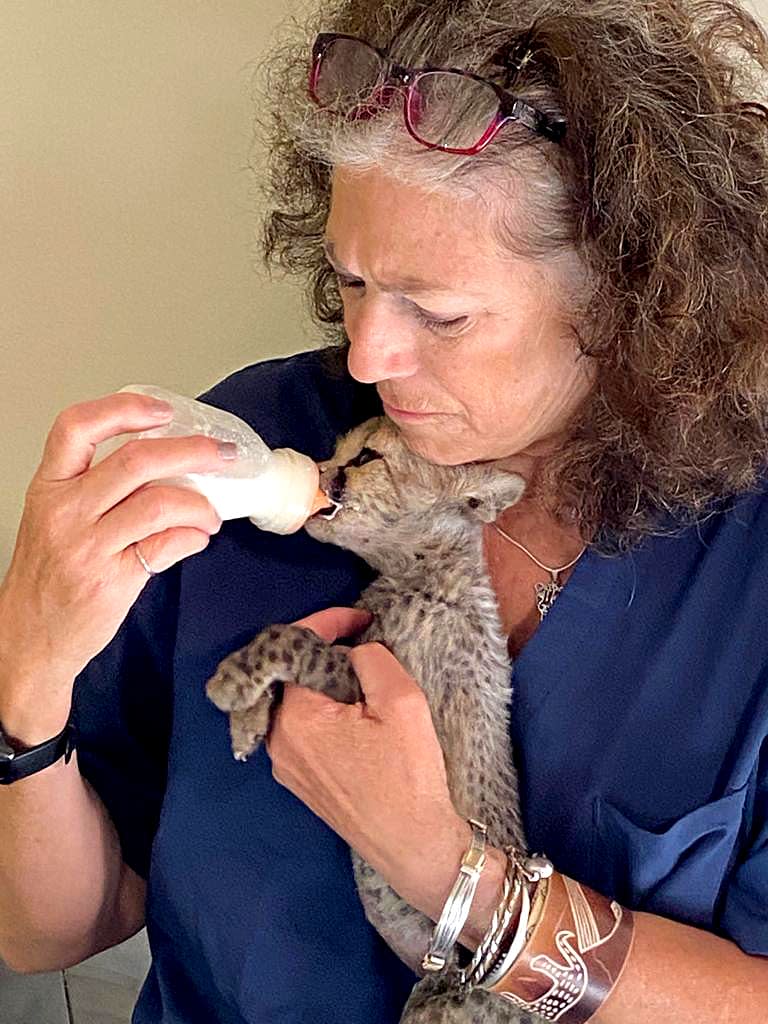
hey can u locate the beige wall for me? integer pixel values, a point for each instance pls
(127, 222)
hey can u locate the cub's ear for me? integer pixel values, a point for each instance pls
(492, 493)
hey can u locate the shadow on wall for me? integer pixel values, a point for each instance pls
(101, 990)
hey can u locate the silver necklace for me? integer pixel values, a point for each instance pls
(546, 593)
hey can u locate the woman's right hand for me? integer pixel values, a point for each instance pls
(74, 573)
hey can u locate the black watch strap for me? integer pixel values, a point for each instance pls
(18, 764)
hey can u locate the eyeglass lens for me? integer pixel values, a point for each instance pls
(445, 108)
(348, 75)
(451, 110)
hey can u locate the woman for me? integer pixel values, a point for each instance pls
(579, 293)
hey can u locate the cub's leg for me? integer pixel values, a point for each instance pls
(247, 682)
(438, 999)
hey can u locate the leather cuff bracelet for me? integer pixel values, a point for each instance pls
(574, 956)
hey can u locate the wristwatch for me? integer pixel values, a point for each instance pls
(17, 762)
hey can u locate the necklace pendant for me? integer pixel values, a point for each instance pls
(546, 595)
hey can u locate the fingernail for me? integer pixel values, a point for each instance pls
(227, 449)
(160, 410)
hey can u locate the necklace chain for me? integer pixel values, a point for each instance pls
(546, 593)
(554, 573)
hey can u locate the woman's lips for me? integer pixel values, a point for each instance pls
(404, 414)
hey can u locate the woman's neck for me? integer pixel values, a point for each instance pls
(552, 540)
(514, 575)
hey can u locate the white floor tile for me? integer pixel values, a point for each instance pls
(129, 960)
(103, 989)
(98, 1001)
(32, 998)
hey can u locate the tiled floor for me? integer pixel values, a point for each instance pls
(101, 990)
(33, 1000)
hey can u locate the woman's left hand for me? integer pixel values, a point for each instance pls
(375, 771)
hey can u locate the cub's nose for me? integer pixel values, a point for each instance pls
(334, 486)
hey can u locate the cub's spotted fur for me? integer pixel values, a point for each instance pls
(420, 525)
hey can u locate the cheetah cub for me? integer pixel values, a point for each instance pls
(419, 525)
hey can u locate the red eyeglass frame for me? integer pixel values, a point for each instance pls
(510, 107)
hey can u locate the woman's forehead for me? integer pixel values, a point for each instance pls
(411, 239)
(414, 284)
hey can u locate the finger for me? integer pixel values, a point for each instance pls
(299, 711)
(153, 510)
(331, 623)
(162, 550)
(141, 461)
(382, 678)
(77, 430)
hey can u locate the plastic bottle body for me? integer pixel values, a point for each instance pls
(276, 490)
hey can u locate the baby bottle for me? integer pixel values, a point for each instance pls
(277, 490)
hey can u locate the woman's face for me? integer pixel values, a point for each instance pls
(470, 352)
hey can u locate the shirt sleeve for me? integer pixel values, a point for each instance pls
(745, 908)
(744, 904)
(121, 710)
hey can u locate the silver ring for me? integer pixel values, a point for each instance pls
(144, 563)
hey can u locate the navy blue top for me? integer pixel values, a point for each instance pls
(639, 720)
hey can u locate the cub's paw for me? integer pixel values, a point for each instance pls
(246, 682)
(240, 678)
(247, 729)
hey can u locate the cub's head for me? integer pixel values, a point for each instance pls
(393, 502)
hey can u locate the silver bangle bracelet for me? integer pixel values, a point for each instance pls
(487, 950)
(456, 908)
(523, 874)
(516, 946)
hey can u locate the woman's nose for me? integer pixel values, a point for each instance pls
(382, 347)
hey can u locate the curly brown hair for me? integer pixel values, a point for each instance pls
(662, 191)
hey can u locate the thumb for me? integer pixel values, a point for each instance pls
(331, 623)
(383, 679)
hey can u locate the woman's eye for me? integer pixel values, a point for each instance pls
(349, 282)
(440, 326)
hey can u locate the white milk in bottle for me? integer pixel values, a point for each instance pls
(277, 490)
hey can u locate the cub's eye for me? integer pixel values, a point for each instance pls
(363, 456)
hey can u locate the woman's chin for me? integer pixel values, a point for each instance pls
(446, 451)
